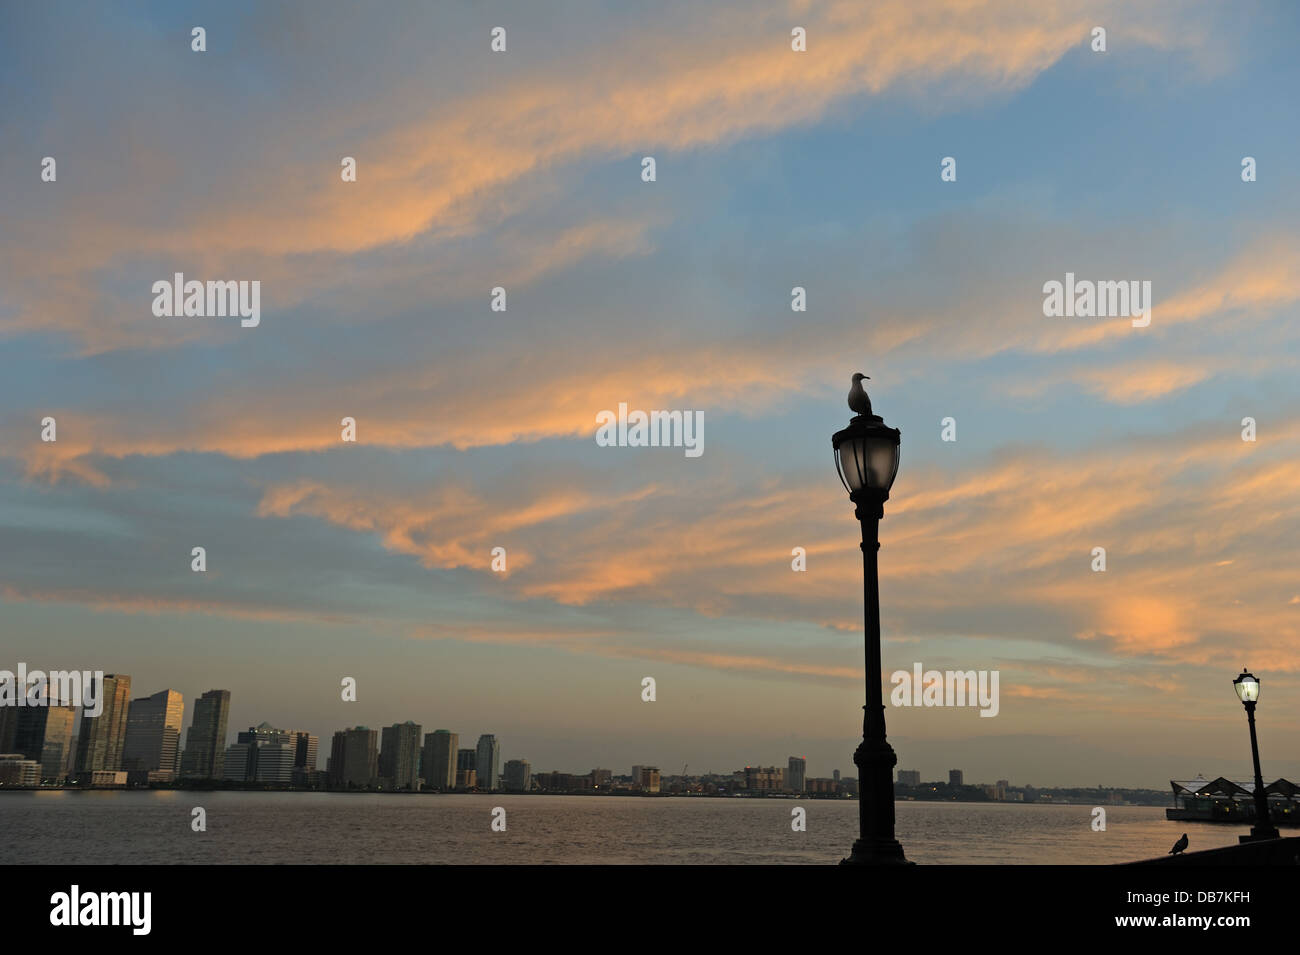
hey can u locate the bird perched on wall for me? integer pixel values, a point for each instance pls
(858, 400)
(1179, 846)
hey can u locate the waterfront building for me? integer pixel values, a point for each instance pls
(205, 744)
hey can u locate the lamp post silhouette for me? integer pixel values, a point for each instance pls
(1247, 688)
(866, 456)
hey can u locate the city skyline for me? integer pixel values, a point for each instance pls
(169, 702)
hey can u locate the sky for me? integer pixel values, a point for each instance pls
(475, 428)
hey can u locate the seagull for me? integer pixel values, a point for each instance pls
(1179, 846)
(858, 400)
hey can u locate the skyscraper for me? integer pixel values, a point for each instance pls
(438, 761)
(487, 762)
(153, 734)
(796, 773)
(354, 758)
(466, 776)
(518, 776)
(102, 739)
(954, 777)
(305, 744)
(399, 757)
(44, 734)
(909, 777)
(8, 727)
(205, 746)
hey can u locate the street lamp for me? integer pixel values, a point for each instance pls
(866, 456)
(1247, 688)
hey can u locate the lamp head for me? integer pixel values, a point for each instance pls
(1247, 687)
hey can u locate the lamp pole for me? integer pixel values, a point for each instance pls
(1247, 687)
(866, 456)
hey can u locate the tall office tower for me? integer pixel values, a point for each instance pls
(954, 777)
(487, 762)
(464, 760)
(354, 758)
(518, 775)
(438, 761)
(153, 733)
(8, 727)
(44, 734)
(304, 756)
(836, 775)
(205, 746)
(102, 739)
(909, 777)
(796, 774)
(399, 756)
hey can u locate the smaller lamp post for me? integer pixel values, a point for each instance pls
(1247, 688)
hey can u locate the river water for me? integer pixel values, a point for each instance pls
(72, 827)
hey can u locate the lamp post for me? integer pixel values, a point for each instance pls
(866, 456)
(1247, 688)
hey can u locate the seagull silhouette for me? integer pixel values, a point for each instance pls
(858, 400)
(1179, 846)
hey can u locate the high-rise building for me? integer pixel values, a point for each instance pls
(466, 775)
(836, 775)
(102, 739)
(796, 773)
(205, 746)
(44, 734)
(399, 756)
(354, 758)
(954, 777)
(909, 777)
(238, 762)
(263, 741)
(305, 745)
(601, 778)
(518, 775)
(438, 760)
(274, 762)
(487, 762)
(153, 734)
(8, 727)
(646, 778)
